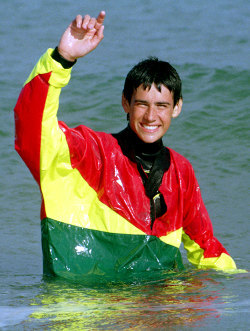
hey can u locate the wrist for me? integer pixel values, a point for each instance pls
(62, 58)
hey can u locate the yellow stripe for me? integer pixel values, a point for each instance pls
(223, 262)
(156, 196)
(71, 200)
(196, 257)
(173, 238)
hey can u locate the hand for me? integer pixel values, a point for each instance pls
(82, 36)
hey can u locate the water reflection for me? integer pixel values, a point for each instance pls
(183, 299)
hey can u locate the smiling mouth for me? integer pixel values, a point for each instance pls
(149, 128)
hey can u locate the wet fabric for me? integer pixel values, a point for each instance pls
(102, 253)
(91, 189)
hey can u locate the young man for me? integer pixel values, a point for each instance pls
(112, 204)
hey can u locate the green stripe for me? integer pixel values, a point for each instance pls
(75, 253)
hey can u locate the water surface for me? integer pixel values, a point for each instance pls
(209, 45)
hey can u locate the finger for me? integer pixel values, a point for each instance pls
(78, 21)
(92, 23)
(100, 19)
(85, 22)
(99, 33)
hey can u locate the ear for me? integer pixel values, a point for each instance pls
(125, 104)
(177, 109)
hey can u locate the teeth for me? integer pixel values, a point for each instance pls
(150, 127)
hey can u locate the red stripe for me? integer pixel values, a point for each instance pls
(28, 122)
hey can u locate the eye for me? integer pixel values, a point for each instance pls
(162, 106)
(141, 104)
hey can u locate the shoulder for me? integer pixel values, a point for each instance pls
(182, 166)
(179, 160)
(88, 145)
(83, 135)
(182, 169)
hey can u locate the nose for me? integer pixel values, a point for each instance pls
(150, 114)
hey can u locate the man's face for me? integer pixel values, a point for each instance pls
(151, 111)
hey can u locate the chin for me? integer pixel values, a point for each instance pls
(146, 137)
(149, 137)
(149, 140)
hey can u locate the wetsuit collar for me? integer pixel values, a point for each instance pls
(144, 149)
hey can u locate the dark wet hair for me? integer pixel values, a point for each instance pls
(153, 71)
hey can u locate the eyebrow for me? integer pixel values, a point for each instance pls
(159, 103)
(163, 103)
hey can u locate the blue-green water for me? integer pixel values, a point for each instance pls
(208, 42)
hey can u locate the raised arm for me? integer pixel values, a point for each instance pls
(38, 138)
(82, 36)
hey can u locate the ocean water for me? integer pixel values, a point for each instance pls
(209, 45)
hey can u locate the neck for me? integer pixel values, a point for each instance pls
(142, 148)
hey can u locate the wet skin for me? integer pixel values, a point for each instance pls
(151, 111)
